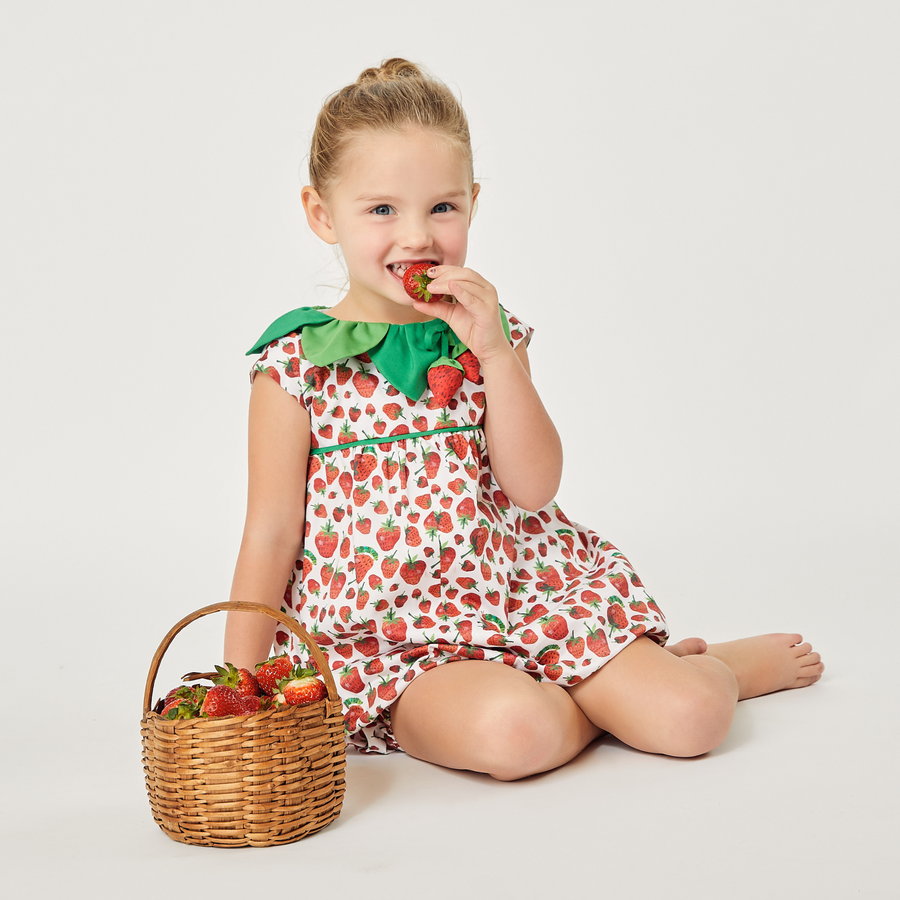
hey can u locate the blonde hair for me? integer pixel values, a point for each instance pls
(396, 96)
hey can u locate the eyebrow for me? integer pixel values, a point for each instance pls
(371, 198)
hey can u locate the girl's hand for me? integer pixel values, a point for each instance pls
(475, 317)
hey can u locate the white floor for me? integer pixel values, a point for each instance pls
(800, 800)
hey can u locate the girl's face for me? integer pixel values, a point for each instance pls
(399, 199)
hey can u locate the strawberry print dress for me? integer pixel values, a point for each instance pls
(413, 556)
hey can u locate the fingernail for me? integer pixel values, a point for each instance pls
(431, 271)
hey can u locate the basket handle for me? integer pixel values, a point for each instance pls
(240, 606)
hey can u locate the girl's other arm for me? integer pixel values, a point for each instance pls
(273, 531)
(523, 444)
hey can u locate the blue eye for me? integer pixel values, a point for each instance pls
(442, 207)
(383, 210)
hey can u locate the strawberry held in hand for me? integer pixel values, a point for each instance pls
(415, 282)
(300, 688)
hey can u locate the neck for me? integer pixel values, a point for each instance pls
(355, 308)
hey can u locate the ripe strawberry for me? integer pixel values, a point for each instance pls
(477, 540)
(554, 627)
(220, 700)
(458, 444)
(270, 672)
(327, 540)
(360, 495)
(638, 606)
(415, 282)
(550, 579)
(337, 585)
(465, 511)
(412, 570)
(251, 704)
(316, 377)
(444, 378)
(351, 680)
(549, 656)
(617, 617)
(553, 672)
(432, 462)
(596, 642)
(364, 464)
(392, 628)
(620, 583)
(367, 646)
(388, 535)
(575, 646)
(413, 538)
(389, 566)
(363, 561)
(271, 372)
(537, 610)
(343, 373)
(392, 410)
(242, 680)
(386, 690)
(365, 382)
(300, 688)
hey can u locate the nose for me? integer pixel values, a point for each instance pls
(414, 233)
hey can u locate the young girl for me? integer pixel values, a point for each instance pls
(402, 476)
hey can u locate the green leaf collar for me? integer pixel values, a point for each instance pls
(402, 353)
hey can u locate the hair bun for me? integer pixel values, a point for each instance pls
(391, 70)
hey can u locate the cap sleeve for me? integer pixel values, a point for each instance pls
(519, 331)
(282, 360)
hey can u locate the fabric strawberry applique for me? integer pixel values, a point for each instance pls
(444, 378)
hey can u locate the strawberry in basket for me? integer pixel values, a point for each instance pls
(299, 688)
(242, 680)
(270, 672)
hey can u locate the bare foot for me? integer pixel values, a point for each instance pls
(769, 662)
(688, 647)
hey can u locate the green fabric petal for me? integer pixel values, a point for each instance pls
(289, 322)
(337, 339)
(402, 353)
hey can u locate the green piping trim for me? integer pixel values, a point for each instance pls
(408, 436)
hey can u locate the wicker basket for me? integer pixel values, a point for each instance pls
(239, 781)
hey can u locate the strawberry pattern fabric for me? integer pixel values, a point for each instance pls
(413, 555)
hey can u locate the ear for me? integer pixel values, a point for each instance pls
(317, 215)
(476, 190)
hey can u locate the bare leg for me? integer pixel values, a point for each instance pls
(488, 717)
(661, 703)
(769, 662)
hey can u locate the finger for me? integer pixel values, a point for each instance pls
(439, 309)
(445, 274)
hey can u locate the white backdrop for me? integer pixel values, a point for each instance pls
(694, 203)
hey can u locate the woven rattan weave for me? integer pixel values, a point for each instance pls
(238, 781)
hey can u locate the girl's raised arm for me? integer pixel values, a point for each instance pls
(523, 444)
(273, 531)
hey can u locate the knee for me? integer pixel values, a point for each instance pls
(517, 736)
(698, 720)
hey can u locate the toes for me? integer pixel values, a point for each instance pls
(802, 649)
(806, 681)
(811, 659)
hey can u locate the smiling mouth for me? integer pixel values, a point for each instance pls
(400, 268)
